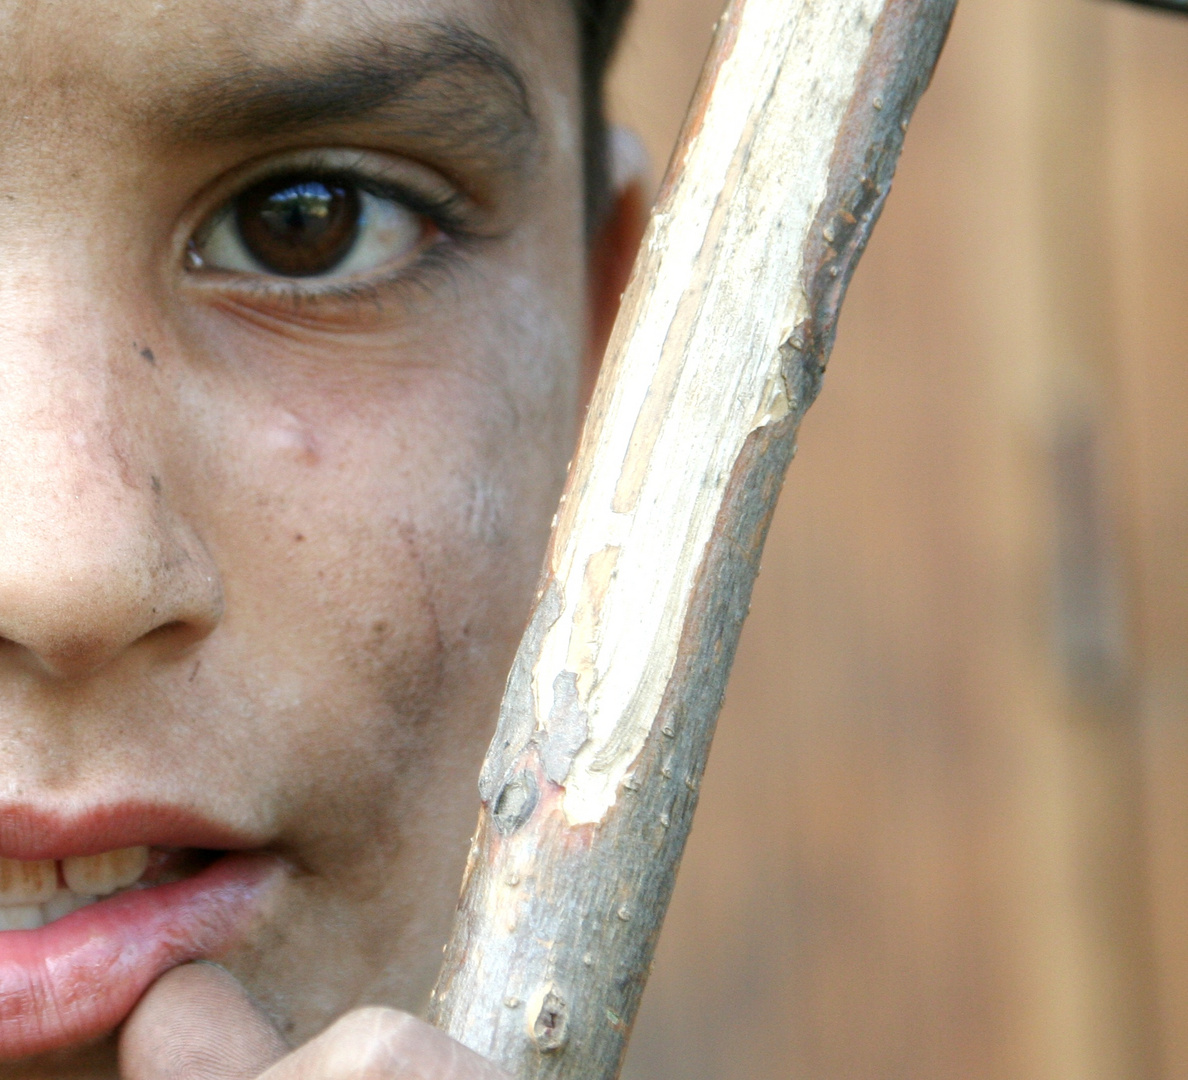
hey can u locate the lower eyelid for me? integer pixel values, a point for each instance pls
(346, 305)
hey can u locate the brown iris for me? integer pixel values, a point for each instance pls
(299, 226)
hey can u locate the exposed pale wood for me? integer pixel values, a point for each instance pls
(591, 781)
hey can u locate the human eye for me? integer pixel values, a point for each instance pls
(325, 222)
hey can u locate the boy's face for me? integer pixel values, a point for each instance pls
(293, 321)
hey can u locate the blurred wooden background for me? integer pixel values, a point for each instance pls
(944, 831)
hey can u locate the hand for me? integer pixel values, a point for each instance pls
(197, 1023)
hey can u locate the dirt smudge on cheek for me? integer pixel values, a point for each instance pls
(432, 671)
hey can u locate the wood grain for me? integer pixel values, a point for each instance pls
(591, 781)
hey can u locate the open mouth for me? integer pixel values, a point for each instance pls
(38, 892)
(83, 936)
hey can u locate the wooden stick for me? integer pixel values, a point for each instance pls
(589, 787)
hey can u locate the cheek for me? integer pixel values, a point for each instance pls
(377, 502)
(378, 553)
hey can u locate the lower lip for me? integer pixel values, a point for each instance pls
(77, 978)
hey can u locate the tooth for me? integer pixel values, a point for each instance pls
(27, 882)
(63, 903)
(99, 875)
(21, 917)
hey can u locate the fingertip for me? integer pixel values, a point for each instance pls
(197, 1022)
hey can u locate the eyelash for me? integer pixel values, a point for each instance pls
(450, 214)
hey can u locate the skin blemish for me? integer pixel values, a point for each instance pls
(290, 436)
(147, 353)
(155, 483)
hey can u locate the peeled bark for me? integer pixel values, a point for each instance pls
(590, 784)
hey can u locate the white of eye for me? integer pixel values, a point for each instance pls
(387, 233)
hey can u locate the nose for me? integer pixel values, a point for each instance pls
(95, 557)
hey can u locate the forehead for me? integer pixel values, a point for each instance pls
(76, 58)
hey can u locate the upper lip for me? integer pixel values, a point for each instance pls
(29, 831)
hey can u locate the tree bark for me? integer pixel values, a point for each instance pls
(590, 784)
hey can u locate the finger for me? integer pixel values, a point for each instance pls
(197, 1023)
(383, 1044)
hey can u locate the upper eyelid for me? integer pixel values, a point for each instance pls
(447, 210)
(437, 195)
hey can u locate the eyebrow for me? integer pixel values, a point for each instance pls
(442, 85)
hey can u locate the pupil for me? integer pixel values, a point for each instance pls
(299, 226)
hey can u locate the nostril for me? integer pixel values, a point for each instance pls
(176, 635)
(172, 627)
(72, 656)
